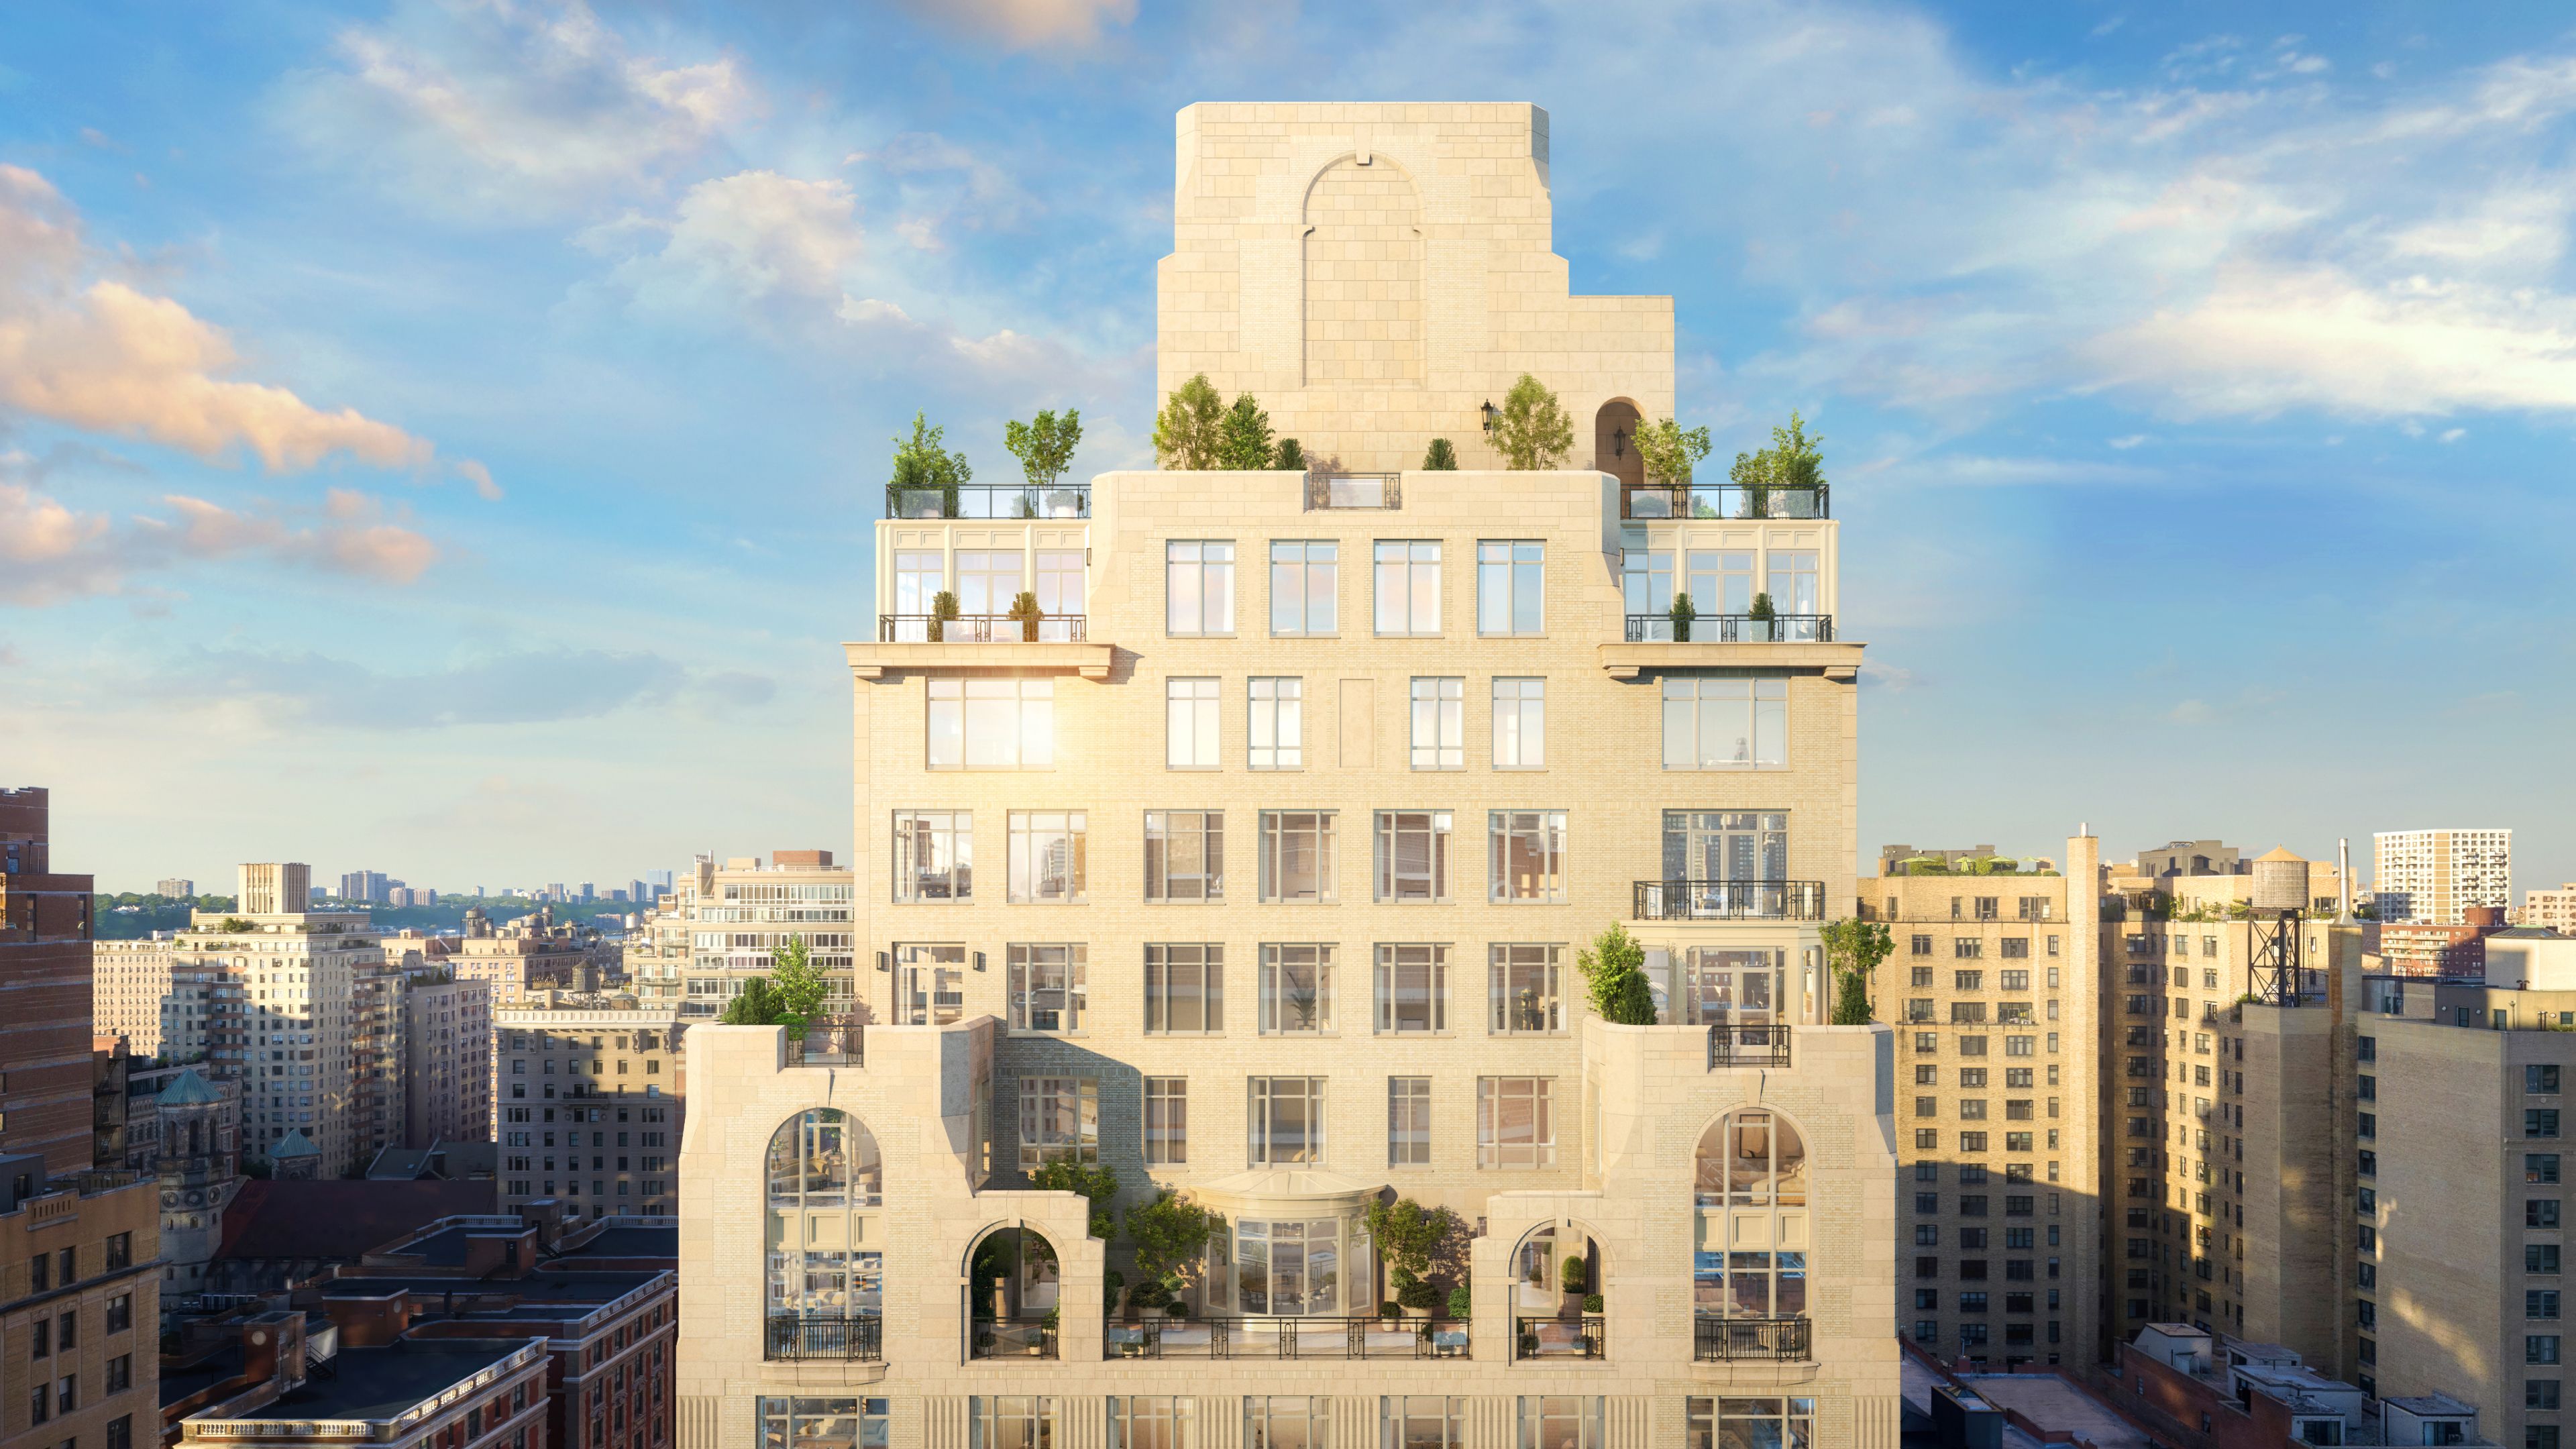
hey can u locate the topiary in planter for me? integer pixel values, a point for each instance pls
(1682, 612)
(943, 607)
(1024, 607)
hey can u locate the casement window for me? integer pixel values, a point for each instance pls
(1296, 989)
(1296, 855)
(1510, 598)
(1049, 986)
(1520, 724)
(1190, 724)
(1049, 855)
(1527, 855)
(934, 855)
(1412, 988)
(1184, 855)
(1198, 587)
(1525, 989)
(1408, 1121)
(1059, 1120)
(1167, 1121)
(1184, 988)
(1277, 729)
(1439, 723)
(1515, 1122)
(1304, 579)
(1287, 1121)
(992, 724)
(1412, 855)
(1408, 588)
(1726, 722)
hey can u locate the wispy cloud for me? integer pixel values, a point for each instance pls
(1027, 24)
(513, 688)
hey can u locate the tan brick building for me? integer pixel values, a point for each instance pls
(1291, 823)
(589, 1092)
(720, 924)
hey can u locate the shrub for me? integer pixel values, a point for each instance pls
(1669, 450)
(1168, 1234)
(1854, 947)
(1591, 1302)
(1683, 611)
(924, 461)
(1243, 435)
(1097, 1184)
(1574, 1273)
(943, 607)
(1186, 431)
(1614, 971)
(1290, 456)
(1461, 1302)
(1440, 457)
(1044, 445)
(1532, 431)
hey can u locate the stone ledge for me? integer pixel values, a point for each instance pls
(1837, 661)
(875, 661)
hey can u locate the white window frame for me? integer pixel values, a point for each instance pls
(1167, 1131)
(1408, 1121)
(1208, 826)
(1406, 573)
(1275, 738)
(1394, 827)
(1030, 831)
(1502, 827)
(1426, 962)
(1162, 960)
(1045, 1097)
(1520, 723)
(1439, 722)
(1725, 722)
(957, 828)
(1276, 1017)
(1506, 960)
(1306, 571)
(1262, 1134)
(1198, 588)
(990, 724)
(1495, 1098)
(1028, 969)
(1192, 729)
(1273, 830)
(1510, 573)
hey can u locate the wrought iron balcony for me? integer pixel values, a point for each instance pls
(1730, 900)
(795, 1337)
(1732, 629)
(1736, 1044)
(829, 1042)
(978, 629)
(1354, 490)
(1014, 1338)
(1160, 1337)
(1720, 1340)
(1545, 1338)
(1723, 500)
(980, 500)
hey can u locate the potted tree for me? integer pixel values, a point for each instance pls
(943, 607)
(1683, 611)
(1761, 624)
(1024, 607)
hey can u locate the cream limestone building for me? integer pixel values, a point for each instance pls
(1260, 874)
(720, 925)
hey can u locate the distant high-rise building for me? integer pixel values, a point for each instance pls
(2436, 875)
(673, 961)
(174, 887)
(2552, 910)
(364, 887)
(639, 891)
(45, 930)
(587, 893)
(555, 891)
(274, 888)
(659, 880)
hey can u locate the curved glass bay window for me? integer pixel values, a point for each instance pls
(824, 1177)
(1290, 1268)
(1753, 1229)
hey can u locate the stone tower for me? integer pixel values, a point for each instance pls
(199, 1164)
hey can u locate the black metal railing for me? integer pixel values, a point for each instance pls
(978, 629)
(1730, 900)
(980, 500)
(1319, 1337)
(1013, 1338)
(1723, 500)
(1732, 629)
(1559, 1337)
(1740, 1044)
(859, 1336)
(838, 1041)
(1354, 490)
(1716, 1340)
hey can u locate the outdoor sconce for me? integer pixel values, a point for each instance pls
(979, 960)
(882, 962)
(1618, 442)
(1491, 413)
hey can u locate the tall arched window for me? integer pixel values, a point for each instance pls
(1751, 1186)
(824, 1177)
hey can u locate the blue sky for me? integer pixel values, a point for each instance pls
(443, 437)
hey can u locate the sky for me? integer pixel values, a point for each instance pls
(443, 437)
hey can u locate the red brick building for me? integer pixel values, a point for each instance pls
(45, 930)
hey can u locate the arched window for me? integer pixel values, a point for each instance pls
(1751, 1188)
(824, 1174)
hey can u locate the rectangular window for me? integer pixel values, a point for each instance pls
(934, 855)
(1296, 855)
(1190, 724)
(1136, 1421)
(1408, 588)
(1422, 1421)
(1515, 1122)
(2540, 1122)
(1508, 586)
(1412, 851)
(1439, 724)
(1049, 984)
(919, 576)
(1184, 988)
(1304, 583)
(1198, 587)
(930, 985)
(995, 1421)
(1296, 990)
(1567, 1421)
(1408, 1121)
(1060, 591)
(1278, 723)
(1726, 722)
(2540, 1167)
(1049, 855)
(1059, 1120)
(1527, 859)
(1412, 988)
(2540, 1079)
(1520, 724)
(2540, 1348)
(1287, 1121)
(1524, 988)
(1184, 855)
(1167, 1121)
(992, 724)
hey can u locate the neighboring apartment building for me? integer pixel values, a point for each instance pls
(1993, 987)
(2550, 910)
(447, 1068)
(2436, 875)
(526, 955)
(732, 919)
(175, 888)
(46, 922)
(590, 1094)
(80, 1305)
(274, 888)
(1332, 777)
(456, 1393)
(2425, 949)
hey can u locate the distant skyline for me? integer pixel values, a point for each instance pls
(448, 433)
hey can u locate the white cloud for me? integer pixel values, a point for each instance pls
(739, 239)
(2131, 441)
(1028, 24)
(107, 358)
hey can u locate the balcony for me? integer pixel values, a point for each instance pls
(1730, 900)
(795, 1339)
(978, 500)
(1728, 1340)
(1559, 1338)
(1381, 491)
(1014, 1338)
(1733, 629)
(1723, 500)
(1732, 1044)
(1325, 1338)
(978, 629)
(830, 1042)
